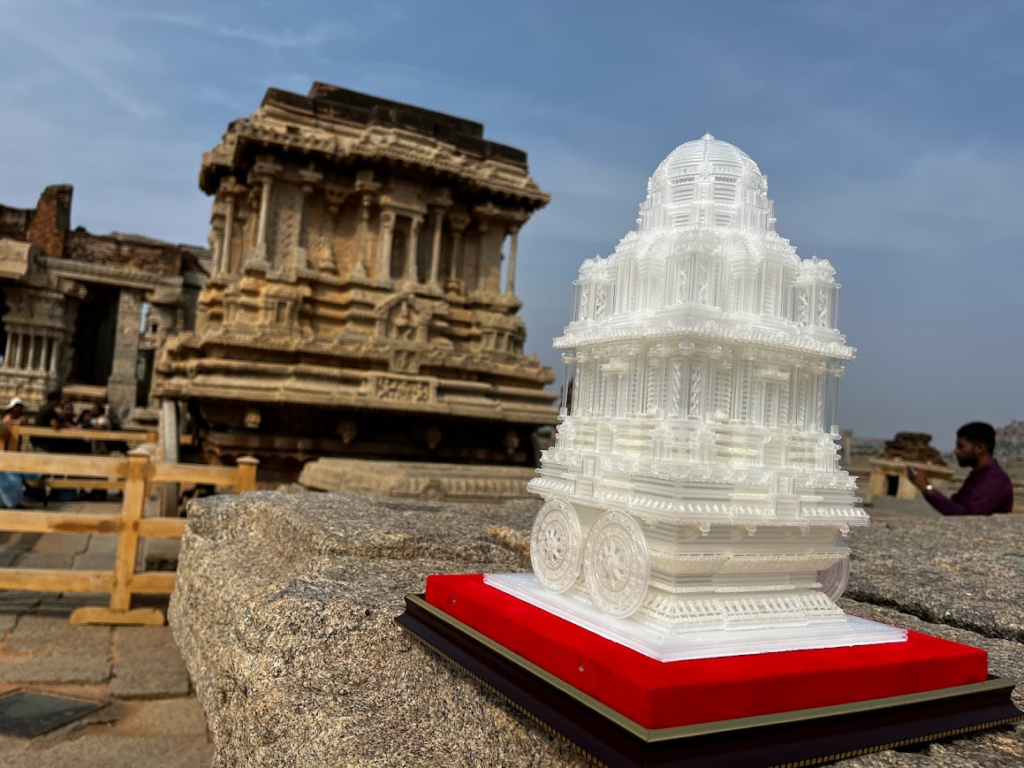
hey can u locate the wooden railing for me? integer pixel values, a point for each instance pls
(17, 431)
(135, 474)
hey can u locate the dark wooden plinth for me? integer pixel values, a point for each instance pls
(806, 737)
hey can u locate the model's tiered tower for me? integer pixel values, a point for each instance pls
(694, 505)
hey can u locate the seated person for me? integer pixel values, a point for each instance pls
(987, 490)
(95, 417)
(53, 415)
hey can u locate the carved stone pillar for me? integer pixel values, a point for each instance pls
(482, 228)
(302, 260)
(387, 231)
(458, 221)
(227, 260)
(261, 223)
(363, 255)
(330, 261)
(510, 280)
(435, 250)
(38, 362)
(15, 350)
(217, 246)
(263, 171)
(54, 356)
(311, 180)
(7, 350)
(412, 246)
(122, 386)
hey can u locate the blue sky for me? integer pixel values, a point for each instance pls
(891, 133)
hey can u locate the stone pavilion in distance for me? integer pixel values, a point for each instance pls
(362, 301)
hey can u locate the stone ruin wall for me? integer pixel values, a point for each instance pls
(56, 281)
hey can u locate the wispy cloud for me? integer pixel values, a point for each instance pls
(938, 203)
(283, 39)
(80, 58)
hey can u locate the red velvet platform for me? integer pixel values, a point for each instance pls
(659, 695)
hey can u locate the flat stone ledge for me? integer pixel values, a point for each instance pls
(285, 608)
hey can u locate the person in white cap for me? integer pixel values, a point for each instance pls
(14, 413)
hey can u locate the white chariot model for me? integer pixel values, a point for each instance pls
(694, 487)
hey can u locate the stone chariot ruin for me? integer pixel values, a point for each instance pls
(362, 299)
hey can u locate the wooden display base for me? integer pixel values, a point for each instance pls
(805, 737)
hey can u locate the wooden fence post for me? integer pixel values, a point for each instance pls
(247, 474)
(136, 492)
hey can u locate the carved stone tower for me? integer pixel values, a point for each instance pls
(362, 301)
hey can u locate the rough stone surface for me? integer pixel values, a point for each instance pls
(962, 571)
(7, 622)
(285, 611)
(302, 622)
(135, 674)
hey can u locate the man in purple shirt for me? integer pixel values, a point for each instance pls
(986, 490)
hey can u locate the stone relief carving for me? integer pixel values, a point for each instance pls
(402, 390)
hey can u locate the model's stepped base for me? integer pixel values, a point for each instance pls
(624, 708)
(662, 644)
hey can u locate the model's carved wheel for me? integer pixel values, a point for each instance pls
(616, 564)
(835, 578)
(556, 545)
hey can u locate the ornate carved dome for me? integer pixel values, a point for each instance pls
(704, 183)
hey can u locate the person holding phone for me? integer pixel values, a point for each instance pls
(987, 490)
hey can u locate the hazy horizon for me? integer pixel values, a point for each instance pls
(888, 131)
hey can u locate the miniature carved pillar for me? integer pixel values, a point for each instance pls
(364, 234)
(387, 231)
(510, 280)
(412, 246)
(7, 350)
(15, 350)
(435, 251)
(23, 349)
